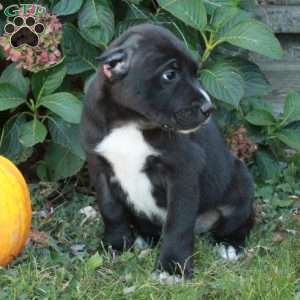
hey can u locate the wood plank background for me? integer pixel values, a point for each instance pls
(283, 16)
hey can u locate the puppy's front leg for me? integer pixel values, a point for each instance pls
(178, 238)
(117, 231)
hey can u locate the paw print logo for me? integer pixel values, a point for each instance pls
(24, 31)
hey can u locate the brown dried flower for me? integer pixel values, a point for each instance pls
(241, 145)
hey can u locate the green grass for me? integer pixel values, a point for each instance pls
(270, 270)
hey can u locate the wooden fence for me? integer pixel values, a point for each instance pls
(284, 18)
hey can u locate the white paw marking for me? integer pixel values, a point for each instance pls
(165, 278)
(140, 243)
(228, 252)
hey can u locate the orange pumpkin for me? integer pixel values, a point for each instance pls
(15, 212)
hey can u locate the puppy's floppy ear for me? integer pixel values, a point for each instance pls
(115, 63)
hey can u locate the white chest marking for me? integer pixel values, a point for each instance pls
(127, 151)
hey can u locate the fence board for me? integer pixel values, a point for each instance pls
(283, 16)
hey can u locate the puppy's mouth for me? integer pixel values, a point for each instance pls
(188, 120)
(184, 121)
(184, 130)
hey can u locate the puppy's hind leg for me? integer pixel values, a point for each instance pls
(237, 215)
(231, 238)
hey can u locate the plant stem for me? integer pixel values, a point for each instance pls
(209, 46)
(204, 38)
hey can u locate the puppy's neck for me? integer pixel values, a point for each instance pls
(117, 115)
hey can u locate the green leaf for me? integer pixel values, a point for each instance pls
(256, 83)
(80, 56)
(46, 82)
(290, 137)
(188, 35)
(66, 135)
(291, 111)
(223, 81)
(126, 24)
(295, 159)
(10, 145)
(135, 15)
(135, 11)
(16, 78)
(191, 12)
(255, 36)
(240, 17)
(249, 5)
(135, 1)
(268, 166)
(264, 192)
(94, 262)
(67, 7)
(96, 22)
(10, 96)
(32, 133)
(61, 162)
(260, 118)
(212, 5)
(253, 103)
(282, 203)
(223, 15)
(65, 105)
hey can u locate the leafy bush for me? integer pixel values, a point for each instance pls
(40, 112)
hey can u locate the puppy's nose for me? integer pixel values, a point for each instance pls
(207, 108)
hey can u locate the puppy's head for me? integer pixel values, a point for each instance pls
(150, 72)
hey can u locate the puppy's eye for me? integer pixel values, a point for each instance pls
(169, 75)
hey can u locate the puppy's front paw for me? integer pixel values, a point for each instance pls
(229, 252)
(176, 264)
(165, 278)
(140, 243)
(118, 241)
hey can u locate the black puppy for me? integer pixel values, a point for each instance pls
(157, 161)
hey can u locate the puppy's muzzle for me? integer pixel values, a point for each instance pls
(193, 116)
(196, 114)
